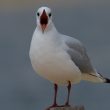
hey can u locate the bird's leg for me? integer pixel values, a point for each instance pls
(69, 89)
(55, 96)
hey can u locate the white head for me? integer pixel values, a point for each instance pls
(44, 18)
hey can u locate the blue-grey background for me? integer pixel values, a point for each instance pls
(20, 87)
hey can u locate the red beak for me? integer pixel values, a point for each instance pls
(44, 21)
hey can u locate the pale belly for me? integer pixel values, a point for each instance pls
(55, 67)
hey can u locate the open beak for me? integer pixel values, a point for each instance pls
(43, 21)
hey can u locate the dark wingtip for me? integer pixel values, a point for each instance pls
(107, 80)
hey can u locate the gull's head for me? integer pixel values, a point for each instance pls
(44, 18)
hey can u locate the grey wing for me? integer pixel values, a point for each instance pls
(79, 56)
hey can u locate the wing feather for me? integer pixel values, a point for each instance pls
(78, 55)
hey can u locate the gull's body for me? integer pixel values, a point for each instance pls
(59, 58)
(50, 59)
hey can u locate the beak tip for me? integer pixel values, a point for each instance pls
(43, 27)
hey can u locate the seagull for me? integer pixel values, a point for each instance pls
(59, 58)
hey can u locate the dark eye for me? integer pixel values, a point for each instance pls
(38, 14)
(50, 14)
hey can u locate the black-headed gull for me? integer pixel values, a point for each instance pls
(59, 58)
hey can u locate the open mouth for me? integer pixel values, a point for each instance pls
(43, 20)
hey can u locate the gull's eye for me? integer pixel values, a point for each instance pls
(38, 14)
(50, 14)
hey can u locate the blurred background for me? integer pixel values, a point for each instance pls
(20, 87)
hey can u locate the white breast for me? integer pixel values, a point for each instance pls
(50, 61)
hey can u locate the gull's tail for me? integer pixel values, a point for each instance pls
(97, 78)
